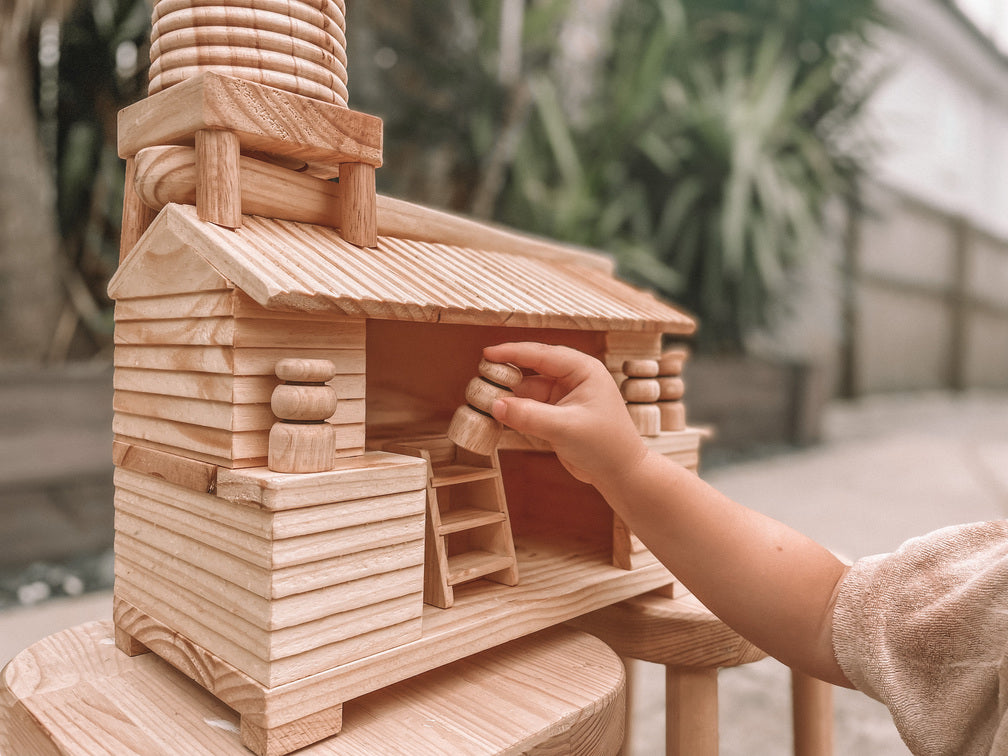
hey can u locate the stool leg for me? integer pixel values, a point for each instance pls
(691, 712)
(812, 713)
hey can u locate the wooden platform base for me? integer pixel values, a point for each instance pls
(558, 691)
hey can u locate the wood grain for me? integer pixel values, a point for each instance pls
(523, 697)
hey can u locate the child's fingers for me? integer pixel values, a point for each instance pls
(557, 362)
(538, 387)
(529, 416)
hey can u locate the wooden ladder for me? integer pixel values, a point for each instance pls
(468, 534)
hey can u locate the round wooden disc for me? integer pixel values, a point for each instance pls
(304, 370)
(481, 394)
(267, 60)
(303, 403)
(501, 373)
(671, 387)
(671, 362)
(286, 82)
(640, 368)
(640, 389)
(246, 18)
(312, 49)
(323, 14)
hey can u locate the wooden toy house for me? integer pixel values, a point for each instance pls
(287, 593)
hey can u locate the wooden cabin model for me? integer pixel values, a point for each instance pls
(294, 525)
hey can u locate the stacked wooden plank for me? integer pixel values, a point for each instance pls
(287, 575)
(195, 371)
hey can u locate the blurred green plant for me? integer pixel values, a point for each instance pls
(720, 134)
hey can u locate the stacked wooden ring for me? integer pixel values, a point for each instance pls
(640, 391)
(472, 426)
(671, 390)
(302, 441)
(298, 46)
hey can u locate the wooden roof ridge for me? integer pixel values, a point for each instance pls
(299, 267)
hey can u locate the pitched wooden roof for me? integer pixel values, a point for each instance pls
(291, 266)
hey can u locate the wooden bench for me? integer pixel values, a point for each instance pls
(684, 636)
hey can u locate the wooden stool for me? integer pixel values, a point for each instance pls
(693, 644)
(557, 691)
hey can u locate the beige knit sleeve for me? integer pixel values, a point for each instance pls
(925, 631)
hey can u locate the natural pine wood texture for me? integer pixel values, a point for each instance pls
(195, 371)
(692, 644)
(555, 692)
(218, 181)
(182, 471)
(358, 219)
(168, 174)
(646, 390)
(468, 531)
(137, 215)
(302, 442)
(291, 267)
(322, 135)
(561, 578)
(205, 566)
(474, 430)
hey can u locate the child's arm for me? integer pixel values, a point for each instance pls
(772, 585)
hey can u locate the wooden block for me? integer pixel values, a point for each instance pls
(136, 216)
(297, 85)
(302, 447)
(647, 418)
(218, 181)
(264, 119)
(358, 222)
(671, 362)
(640, 368)
(673, 416)
(500, 373)
(182, 471)
(671, 388)
(128, 644)
(277, 741)
(641, 390)
(474, 430)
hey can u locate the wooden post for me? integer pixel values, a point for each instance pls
(691, 711)
(358, 222)
(812, 713)
(218, 181)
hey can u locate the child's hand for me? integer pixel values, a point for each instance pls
(573, 403)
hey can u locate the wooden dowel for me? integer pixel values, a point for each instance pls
(218, 181)
(812, 712)
(358, 222)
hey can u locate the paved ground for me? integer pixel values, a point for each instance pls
(889, 468)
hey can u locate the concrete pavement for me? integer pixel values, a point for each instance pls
(889, 468)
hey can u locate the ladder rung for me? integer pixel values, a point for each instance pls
(467, 519)
(475, 564)
(450, 475)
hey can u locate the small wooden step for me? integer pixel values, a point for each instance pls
(451, 475)
(475, 564)
(466, 519)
